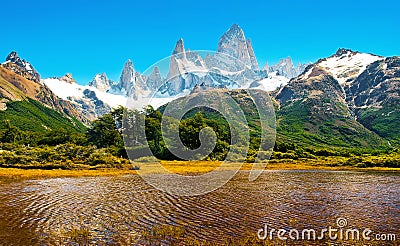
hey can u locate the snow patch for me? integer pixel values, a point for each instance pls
(66, 90)
(273, 82)
(307, 74)
(349, 65)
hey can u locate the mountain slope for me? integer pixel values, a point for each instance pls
(19, 66)
(89, 101)
(31, 115)
(375, 97)
(313, 111)
(346, 65)
(31, 105)
(21, 78)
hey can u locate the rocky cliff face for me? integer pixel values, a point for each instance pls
(21, 66)
(286, 68)
(253, 59)
(346, 65)
(178, 58)
(374, 97)
(101, 82)
(68, 79)
(154, 80)
(183, 70)
(179, 49)
(316, 84)
(25, 80)
(233, 66)
(377, 86)
(234, 43)
(313, 108)
(131, 83)
(349, 95)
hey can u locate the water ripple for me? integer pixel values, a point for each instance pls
(122, 208)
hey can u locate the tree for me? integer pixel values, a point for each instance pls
(134, 127)
(104, 132)
(118, 114)
(189, 130)
(11, 134)
(55, 137)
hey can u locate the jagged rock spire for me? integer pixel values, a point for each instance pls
(21, 66)
(233, 42)
(101, 82)
(127, 76)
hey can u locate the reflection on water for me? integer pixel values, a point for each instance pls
(113, 210)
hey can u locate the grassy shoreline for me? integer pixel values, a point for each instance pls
(181, 167)
(22, 174)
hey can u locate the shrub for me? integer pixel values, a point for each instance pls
(102, 158)
(146, 159)
(353, 161)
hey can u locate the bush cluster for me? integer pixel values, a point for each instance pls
(102, 144)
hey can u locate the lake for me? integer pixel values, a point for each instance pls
(125, 210)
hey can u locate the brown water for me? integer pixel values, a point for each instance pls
(122, 210)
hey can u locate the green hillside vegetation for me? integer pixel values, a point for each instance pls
(297, 122)
(385, 122)
(66, 144)
(49, 140)
(215, 120)
(336, 141)
(30, 115)
(61, 149)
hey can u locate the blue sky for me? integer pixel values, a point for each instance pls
(88, 37)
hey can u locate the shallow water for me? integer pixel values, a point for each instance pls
(120, 210)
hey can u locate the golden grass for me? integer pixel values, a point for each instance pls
(183, 167)
(16, 173)
(200, 167)
(180, 167)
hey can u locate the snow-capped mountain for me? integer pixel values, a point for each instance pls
(131, 83)
(188, 69)
(183, 61)
(21, 66)
(351, 94)
(89, 100)
(101, 82)
(20, 75)
(360, 82)
(270, 83)
(68, 78)
(154, 80)
(378, 86)
(234, 43)
(346, 65)
(286, 68)
(234, 65)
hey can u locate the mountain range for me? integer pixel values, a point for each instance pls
(348, 99)
(186, 69)
(30, 104)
